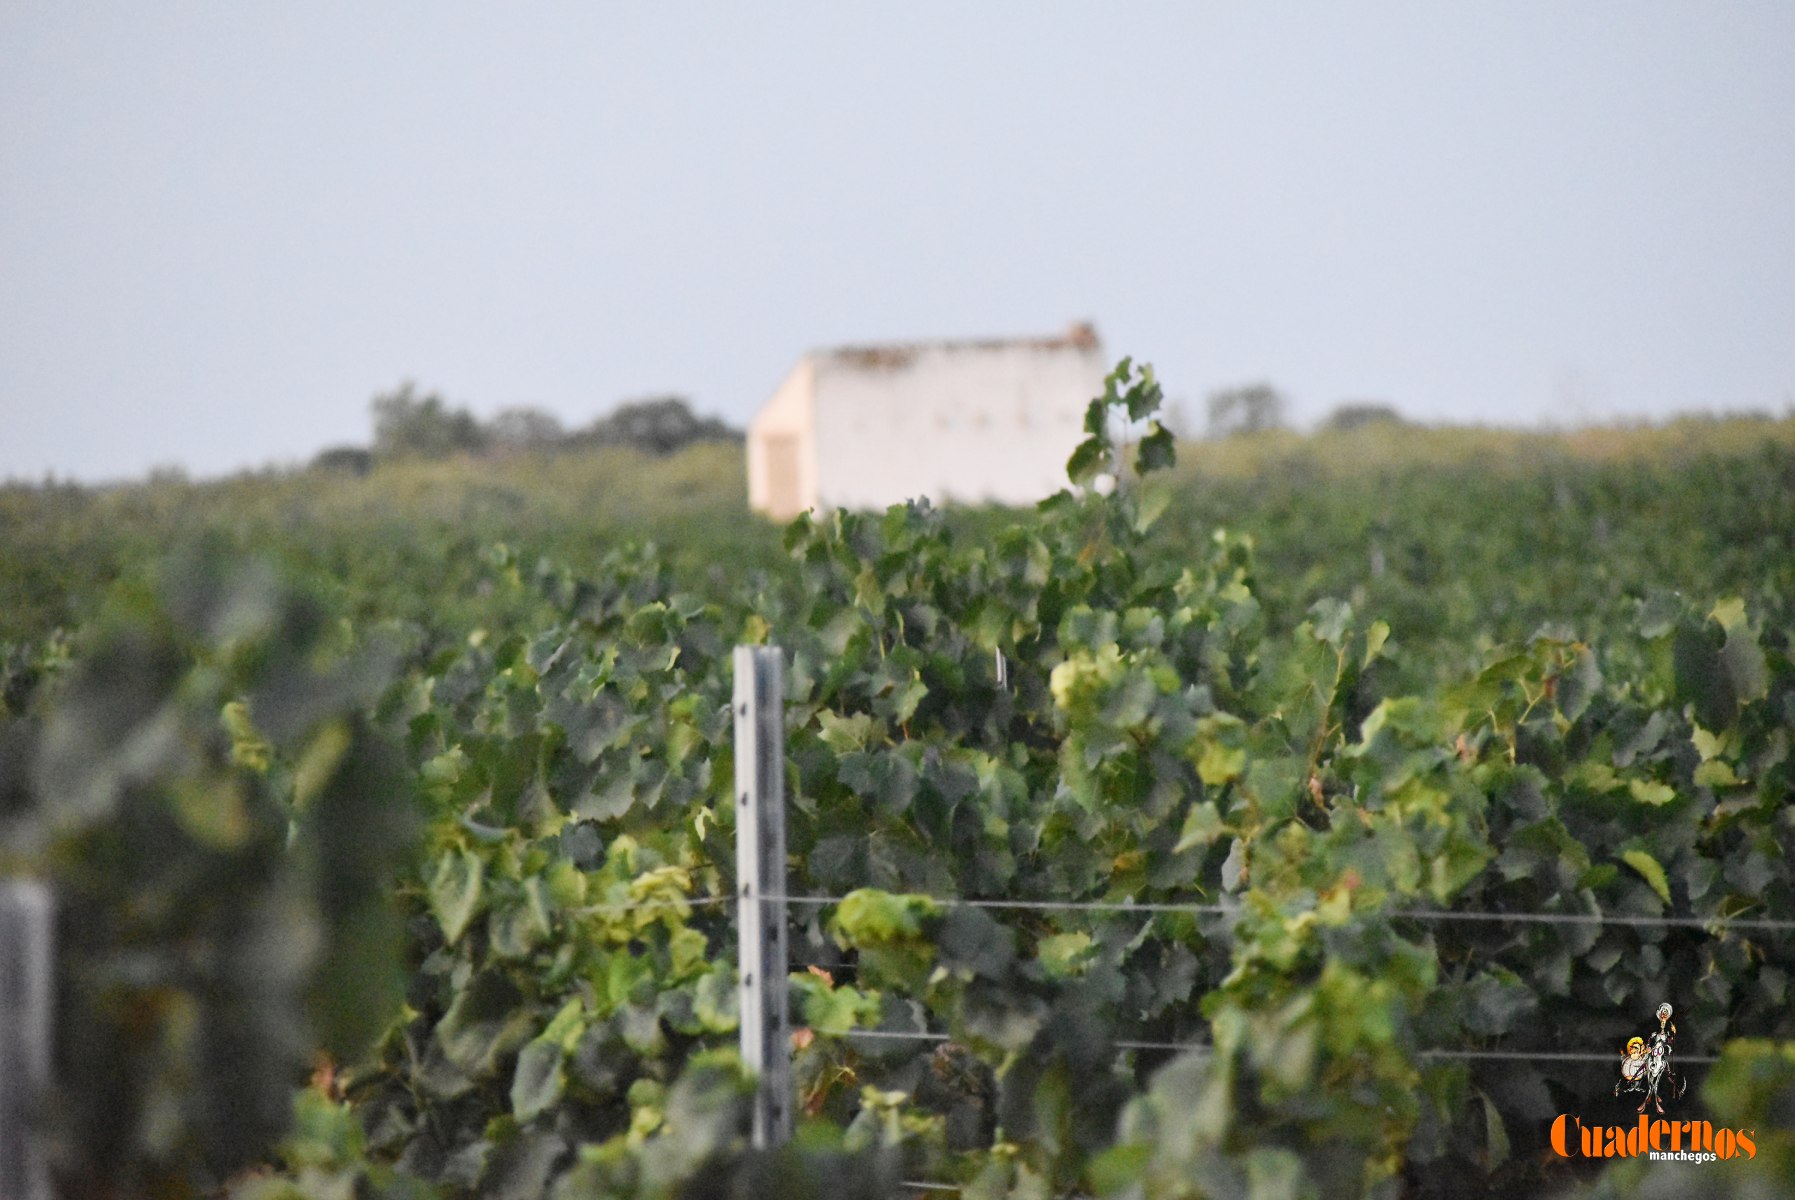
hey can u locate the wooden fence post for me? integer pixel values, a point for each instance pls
(26, 996)
(760, 873)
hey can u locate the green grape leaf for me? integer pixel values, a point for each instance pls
(539, 1081)
(455, 891)
(1090, 457)
(714, 1000)
(488, 1019)
(1157, 450)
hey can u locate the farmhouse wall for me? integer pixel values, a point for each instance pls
(972, 423)
(782, 448)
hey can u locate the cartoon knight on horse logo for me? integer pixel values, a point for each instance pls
(1645, 1065)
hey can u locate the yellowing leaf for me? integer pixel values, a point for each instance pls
(1647, 791)
(1221, 750)
(1649, 870)
(868, 915)
(1375, 637)
(1716, 772)
(1065, 955)
(1201, 827)
(846, 734)
(566, 884)
(1730, 613)
(248, 747)
(1709, 745)
(565, 1028)
(1595, 775)
(689, 950)
(319, 761)
(213, 812)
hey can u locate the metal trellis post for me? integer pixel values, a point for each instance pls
(26, 963)
(760, 872)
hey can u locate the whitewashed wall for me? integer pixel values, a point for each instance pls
(775, 488)
(968, 422)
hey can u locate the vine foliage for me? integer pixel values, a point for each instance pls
(487, 875)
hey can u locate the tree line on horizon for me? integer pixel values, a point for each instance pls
(1260, 407)
(413, 425)
(409, 424)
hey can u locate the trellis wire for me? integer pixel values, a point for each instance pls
(1155, 907)
(1765, 924)
(657, 905)
(902, 1035)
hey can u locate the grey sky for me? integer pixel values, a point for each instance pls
(224, 227)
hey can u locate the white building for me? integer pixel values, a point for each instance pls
(974, 421)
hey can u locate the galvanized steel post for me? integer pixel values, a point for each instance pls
(760, 887)
(27, 964)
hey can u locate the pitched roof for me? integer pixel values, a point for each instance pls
(891, 356)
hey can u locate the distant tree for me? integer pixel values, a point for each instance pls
(407, 425)
(1358, 414)
(525, 429)
(659, 425)
(1175, 415)
(343, 460)
(1251, 408)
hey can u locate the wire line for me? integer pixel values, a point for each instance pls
(1761, 923)
(664, 904)
(900, 1035)
(1150, 906)
(1420, 914)
(1551, 1056)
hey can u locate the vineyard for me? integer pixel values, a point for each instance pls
(1315, 822)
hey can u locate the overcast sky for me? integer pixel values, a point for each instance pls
(225, 227)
